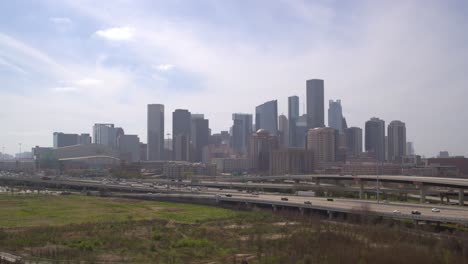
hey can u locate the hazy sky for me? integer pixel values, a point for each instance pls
(65, 65)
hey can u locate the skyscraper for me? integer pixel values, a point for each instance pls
(181, 123)
(106, 134)
(322, 141)
(315, 103)
(375, 138)
(261, 146)
(241, 132)
(353, 139)
(283, 131)
(396, 141)
(293, 116)
(199, 136)
(155, 132)
(266, 117)
(335, 115)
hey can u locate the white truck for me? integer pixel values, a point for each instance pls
(305, 193)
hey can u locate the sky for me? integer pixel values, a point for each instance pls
(65, 65)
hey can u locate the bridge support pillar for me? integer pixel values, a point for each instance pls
(330, 214)
(301, 210)
(361, 189)
(422, 194)
(461, 197)
(317, 181)
(441, 198)
(274, 208)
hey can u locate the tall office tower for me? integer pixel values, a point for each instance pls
(129, 148)
(396, 141)
(293, 116)
(261, 146)
(344, 124)
(321, 140)
(64, 140)
(315, 103)
(266, 117)
(199, 136)
(335, 115)
(181, 122)
(241, 132)
(283, 131)
(155, 132)
(353, 139)
(301, 132)
(106, 134)
(409, 148)
(375, 138)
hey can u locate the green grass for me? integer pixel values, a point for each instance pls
(40, 210)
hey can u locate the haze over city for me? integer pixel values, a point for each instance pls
(66, 65)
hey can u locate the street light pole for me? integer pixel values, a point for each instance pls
(378, 184)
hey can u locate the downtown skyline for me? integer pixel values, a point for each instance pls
(43, 90)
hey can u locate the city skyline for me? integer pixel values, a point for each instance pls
(51, 90)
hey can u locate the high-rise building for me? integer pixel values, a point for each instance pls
(396, 141)
(283, 131)
(143, 151)
(335, 115)
(375, 138)
(291, 161)
(321, 140)
(261, 146)
(409, 148)
(129, 148)
(106, 134)
(353, 139)
(155, 132)
(301, 132)
(181, 130)
(199, 137)
(84, 139)
(64, 140)
(241, 131)
(293, 116)
(315, 103)
(266, 117)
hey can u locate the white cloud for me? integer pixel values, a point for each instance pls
(65, 89)
(164, 67)
(87, 82)
(60, 20)
(116, 33)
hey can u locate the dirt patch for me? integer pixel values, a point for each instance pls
(174, 210)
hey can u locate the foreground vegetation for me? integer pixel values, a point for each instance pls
(95, 229)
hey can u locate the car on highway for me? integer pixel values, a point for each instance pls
(228, 195)
(330, 199)
(308, 202)
(396, 212)
(415, 212)
(284, 199)
(435, 210)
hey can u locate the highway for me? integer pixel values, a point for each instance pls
(433, 181)
(450, 214)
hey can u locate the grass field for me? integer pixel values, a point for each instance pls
(85, 229)
(35, 210)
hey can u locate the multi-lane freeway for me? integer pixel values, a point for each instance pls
(147, 190)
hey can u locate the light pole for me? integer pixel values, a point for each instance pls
(378, 185)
